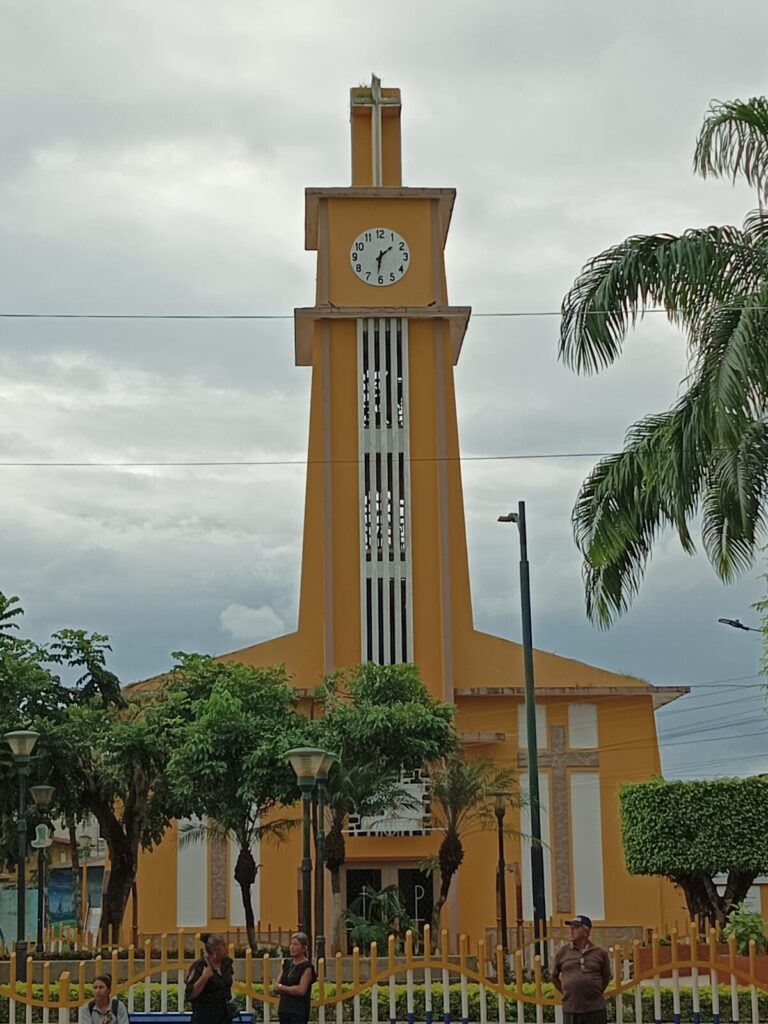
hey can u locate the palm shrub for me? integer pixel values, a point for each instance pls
(462, 803)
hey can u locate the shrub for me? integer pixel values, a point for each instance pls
(746, 925)
(473, 994)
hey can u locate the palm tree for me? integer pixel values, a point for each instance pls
(708, 454)
(364, 789)
(462, 804)
(245, 838)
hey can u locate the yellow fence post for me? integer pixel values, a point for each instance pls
(374, 968)
(81, 982)
(356, 983)
(248, 979)
(265, 985)
(64, 1001)
(321, 991)
(481, 966)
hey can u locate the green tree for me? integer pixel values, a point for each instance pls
(692, 831)
(708, 454)
(111, 762)
(229, 765)
(105, 755)
(379, 719)
(461, 805)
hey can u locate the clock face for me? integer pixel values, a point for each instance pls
(379, 256)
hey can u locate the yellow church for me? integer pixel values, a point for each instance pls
(385, 578)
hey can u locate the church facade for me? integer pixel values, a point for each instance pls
(385, 578)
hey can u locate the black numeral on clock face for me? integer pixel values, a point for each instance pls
(373, 254)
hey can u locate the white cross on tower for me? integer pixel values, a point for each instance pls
(376, 101)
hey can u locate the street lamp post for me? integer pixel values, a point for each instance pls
(500, 805)
(42, 796)
(22, 742)
(537, 850)
(311, 765)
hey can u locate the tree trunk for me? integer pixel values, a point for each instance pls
(121, 875)
(445, 886)
(77, 887)
(123, 848)
(704, 902)
(335, 855)
(338, 911)
(250, 923)
(245, 876)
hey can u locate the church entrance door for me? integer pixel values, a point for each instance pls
(416, 888)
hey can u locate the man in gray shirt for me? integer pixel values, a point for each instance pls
(581, 972)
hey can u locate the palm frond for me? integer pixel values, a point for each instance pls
(756, 228)
(192, 831)
(626, 500)
(366, 789)
(685, 274)
(733, 141)
(734, 515)
(672, 465)
(461, 793)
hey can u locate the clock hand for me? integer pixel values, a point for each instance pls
(381, 256)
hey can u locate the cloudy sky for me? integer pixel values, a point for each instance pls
(153, 160)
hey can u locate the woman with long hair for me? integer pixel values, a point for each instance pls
(294, 986)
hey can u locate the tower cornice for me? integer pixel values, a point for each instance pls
(305, 318)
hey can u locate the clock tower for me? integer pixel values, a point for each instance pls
(384, 575)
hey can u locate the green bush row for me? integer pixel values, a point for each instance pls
(473, 997)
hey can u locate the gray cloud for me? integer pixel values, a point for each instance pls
(155, 161)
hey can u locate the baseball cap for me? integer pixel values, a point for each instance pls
(581, 920)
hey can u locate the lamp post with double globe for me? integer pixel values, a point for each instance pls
(22, 743)
(42, 795)
(312, 766)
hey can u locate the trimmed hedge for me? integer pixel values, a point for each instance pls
(686, 1003)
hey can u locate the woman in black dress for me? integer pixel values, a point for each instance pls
(294, 986)
(209, 984)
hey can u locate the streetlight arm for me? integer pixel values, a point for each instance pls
(738, 624)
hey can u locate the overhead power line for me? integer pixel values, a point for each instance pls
(289, 316)
(80, 464)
